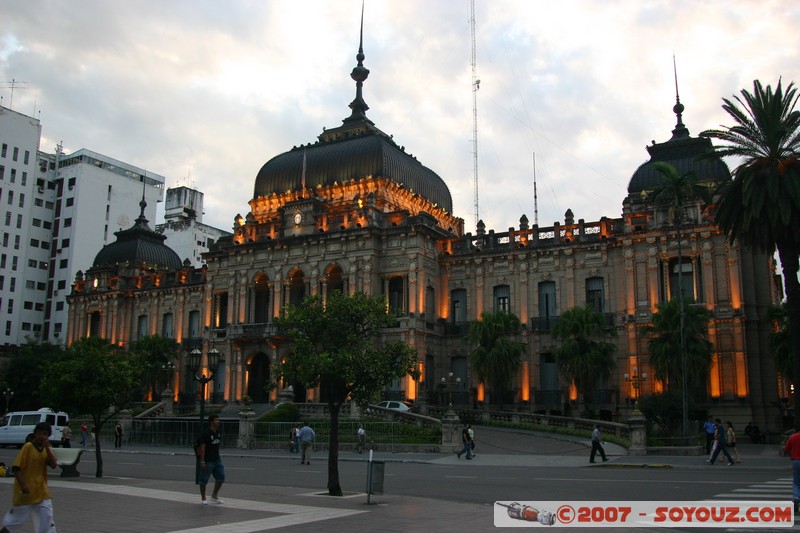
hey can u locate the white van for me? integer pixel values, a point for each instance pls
(15, 427)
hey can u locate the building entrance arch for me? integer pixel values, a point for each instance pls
(258, 377)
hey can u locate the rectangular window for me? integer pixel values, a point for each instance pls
(30, 284)
(167, 326)
(62, 263)
(62, 284)
(71, 183)
(43, 265)
(38, 307)
(27, 305)
(194, 324)
(65, 243)
(35, 243)
(22, 200)
(502, 299)
(48, 205)
(2, 172)
(37, 223)
(594, 294)
(4, 151)
(24, 179)
(67, 222)
(27, 157)
(59, 306)
(16, 153)
(141, 329)
(13, 285)
(8, 218)
(46, 224)
(13, 175)
(10, 197)
(45, 245)
(32, 263)
(38, 202)
(547, 305)
(70, 201)
(19, 221)
(40, 286)
(16, 242)
(458, 303)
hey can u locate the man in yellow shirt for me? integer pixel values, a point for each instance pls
(31, 495)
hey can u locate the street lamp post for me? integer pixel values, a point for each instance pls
(448, 382)
(195, 362)
(8, 393)
(636, 380)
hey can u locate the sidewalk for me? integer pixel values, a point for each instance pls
(110, 504)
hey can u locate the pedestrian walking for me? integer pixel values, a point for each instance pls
(466, 444)
(66, 436)
(730, 436)
(306, 436)
(721, 445)
(472, 441)
(210, 460)
(361, 435)
(709, 429)
(118, 431)
(597, 445)
(84, 431)
(297, 438)
(31, 495)
(792, 449)
(293, 447)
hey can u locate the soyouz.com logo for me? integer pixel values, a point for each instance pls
(729, 514)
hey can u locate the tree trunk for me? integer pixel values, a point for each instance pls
(98, 457)
(334, 487)
(790, 264)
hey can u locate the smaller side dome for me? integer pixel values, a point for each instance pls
(136, 245)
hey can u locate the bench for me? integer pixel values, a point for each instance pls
(68, 459)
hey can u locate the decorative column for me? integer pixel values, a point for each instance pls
(247, 419)
(638, 425)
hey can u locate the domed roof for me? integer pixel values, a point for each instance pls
(138, 244)
(682, 152)
(354, 150)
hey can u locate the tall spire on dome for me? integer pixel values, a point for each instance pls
(141, 220)
(680, 131)
(359, 75)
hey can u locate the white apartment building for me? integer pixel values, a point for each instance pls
(55, 224)
(183, 225)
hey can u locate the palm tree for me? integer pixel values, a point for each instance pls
(497, 357)
(586, 353)
(760, 205)
(779, 341)
(676, 193)
(667, 345)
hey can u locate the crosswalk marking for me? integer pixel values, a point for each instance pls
(776, 490)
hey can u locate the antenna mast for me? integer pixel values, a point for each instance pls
(535, 195)
(13, 85)
(476, 84)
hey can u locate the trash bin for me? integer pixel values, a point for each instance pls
(376, 477)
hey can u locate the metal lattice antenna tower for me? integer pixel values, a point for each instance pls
(13, 85)
(476, 84)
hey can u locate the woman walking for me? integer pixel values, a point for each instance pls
(731, 434)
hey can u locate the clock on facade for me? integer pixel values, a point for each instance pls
(298, 218)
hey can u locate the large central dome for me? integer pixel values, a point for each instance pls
(354, 150)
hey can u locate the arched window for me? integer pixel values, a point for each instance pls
(261, 300)
(297, 289)
(334, 280)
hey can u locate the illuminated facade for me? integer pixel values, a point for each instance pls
(353, 212)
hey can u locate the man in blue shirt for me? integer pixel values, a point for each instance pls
(709, 428)
(307, 436)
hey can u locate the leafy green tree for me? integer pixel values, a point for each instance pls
(155, 353)
(337, 346)
(93, 378)
(666, 345)
(497, 357)
(760, 206)
(664, 411)
(779, 341)
(24, 373)
(586, 352)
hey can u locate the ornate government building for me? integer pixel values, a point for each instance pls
(352, 211)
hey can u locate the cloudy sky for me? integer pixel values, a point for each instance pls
(205, 92)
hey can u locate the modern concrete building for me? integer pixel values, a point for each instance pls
(183, 225)
(58, 209)
(352, 211)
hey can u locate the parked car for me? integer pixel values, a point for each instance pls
(16, 426)
(396, 406)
